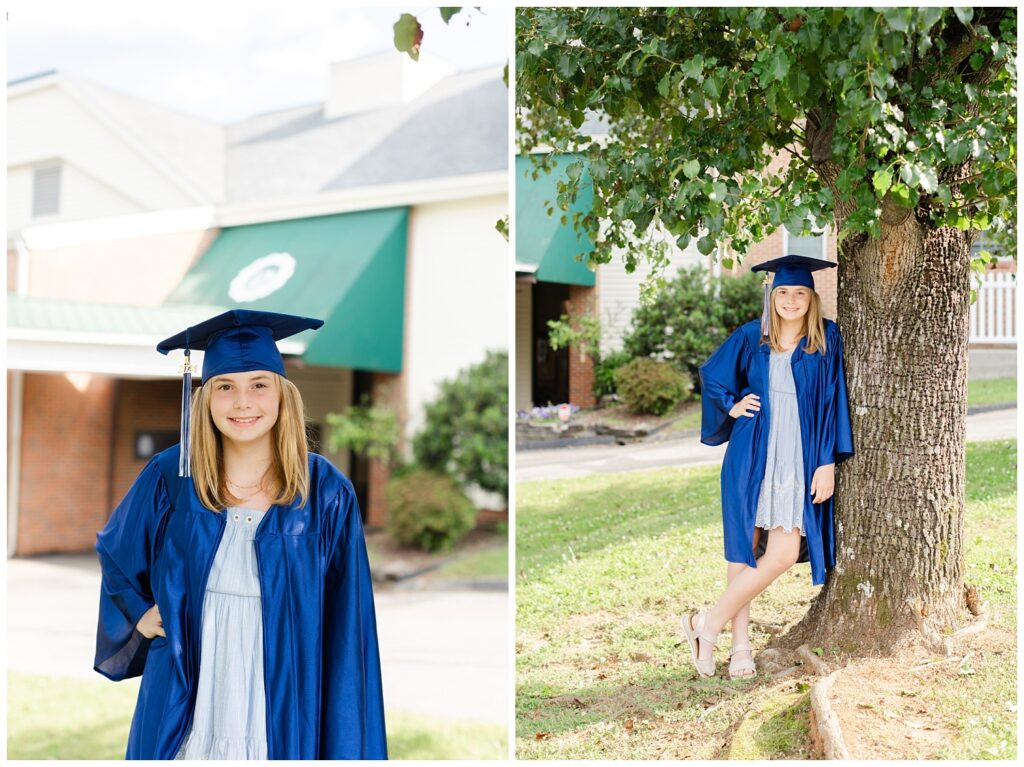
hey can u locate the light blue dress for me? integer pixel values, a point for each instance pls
(230, 719)
(781, 500)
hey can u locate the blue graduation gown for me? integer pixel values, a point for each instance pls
(321, 662)
(737, 368)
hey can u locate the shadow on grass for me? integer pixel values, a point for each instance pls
(674, 693)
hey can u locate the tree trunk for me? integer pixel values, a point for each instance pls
(903, 312)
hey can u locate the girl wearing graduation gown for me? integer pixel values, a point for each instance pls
(776, 391)
(235, 578)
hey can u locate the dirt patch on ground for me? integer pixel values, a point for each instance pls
(885, 704)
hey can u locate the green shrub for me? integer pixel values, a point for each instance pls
(604, 371)
(466, 430)
(650, 386)
(427, 510)
(686, 321)
(368, 430)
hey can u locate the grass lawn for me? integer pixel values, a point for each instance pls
(608, 563)
(488, 563)
(52, 718)
(997, 391)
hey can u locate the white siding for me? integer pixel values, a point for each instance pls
(619, 292)
(103, 174)
(524, 348)
(456, 302)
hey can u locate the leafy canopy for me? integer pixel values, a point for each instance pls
(726, 123)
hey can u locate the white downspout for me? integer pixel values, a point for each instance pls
(14, 459)
(16, 401)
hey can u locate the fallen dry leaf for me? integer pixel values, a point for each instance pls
(542, 735)
(629, 725)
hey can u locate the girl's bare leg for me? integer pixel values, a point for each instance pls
(781, 554)
(741, 620)
(742, 617)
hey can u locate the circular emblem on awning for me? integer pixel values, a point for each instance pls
(262, 277)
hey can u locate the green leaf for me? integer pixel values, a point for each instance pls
(566, 66)
(574, 170)
(778, 67)
(882, 181)
(691, 169)
(665, 84)
(693, 67)
(928, 179)
(705, 245)
(901, 194)
(718, 192)
(408, 35)
(964, 14)
(447, 13)
(977, 59)
(898, 19)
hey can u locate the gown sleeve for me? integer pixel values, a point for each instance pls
(126, 548)
(352, 706)
(836, 442)
(722, 378)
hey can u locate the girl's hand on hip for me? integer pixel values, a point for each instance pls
(748, 406)
(150, 624)
(823, 483)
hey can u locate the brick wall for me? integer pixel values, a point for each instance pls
(582, 300)
(65, 468)
(140, 405)
(387, 389)
(825, 281)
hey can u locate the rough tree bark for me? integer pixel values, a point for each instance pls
(903, 310)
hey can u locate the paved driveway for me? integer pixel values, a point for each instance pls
(561, 463)
(443, 653)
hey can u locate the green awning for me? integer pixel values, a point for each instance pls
(347, 269)
(544, 245)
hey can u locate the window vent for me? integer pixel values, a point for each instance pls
(46, 191)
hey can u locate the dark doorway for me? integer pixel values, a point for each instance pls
(550, 367)
(359, 466)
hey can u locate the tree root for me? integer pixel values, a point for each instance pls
(768, 628)
(825, 722)
(812, 660)
(944, 644)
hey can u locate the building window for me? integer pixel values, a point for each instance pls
(814, 246)
(149, 442)
(46, 191)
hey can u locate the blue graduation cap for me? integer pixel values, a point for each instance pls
(237, 341)
(789, 270)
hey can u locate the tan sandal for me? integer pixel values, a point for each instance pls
(738, 666)
(705, 668)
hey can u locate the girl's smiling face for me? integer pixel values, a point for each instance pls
(245, 406)
(792, 301)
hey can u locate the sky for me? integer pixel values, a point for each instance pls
(226, 60)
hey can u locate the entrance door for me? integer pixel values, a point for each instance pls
(550, 367)
(359, 466)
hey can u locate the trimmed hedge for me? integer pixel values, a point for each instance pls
(650, 386)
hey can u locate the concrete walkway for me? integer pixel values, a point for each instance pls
(443, 653)
(562, 463)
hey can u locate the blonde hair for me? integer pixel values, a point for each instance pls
(814, 325)
(287, 478)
